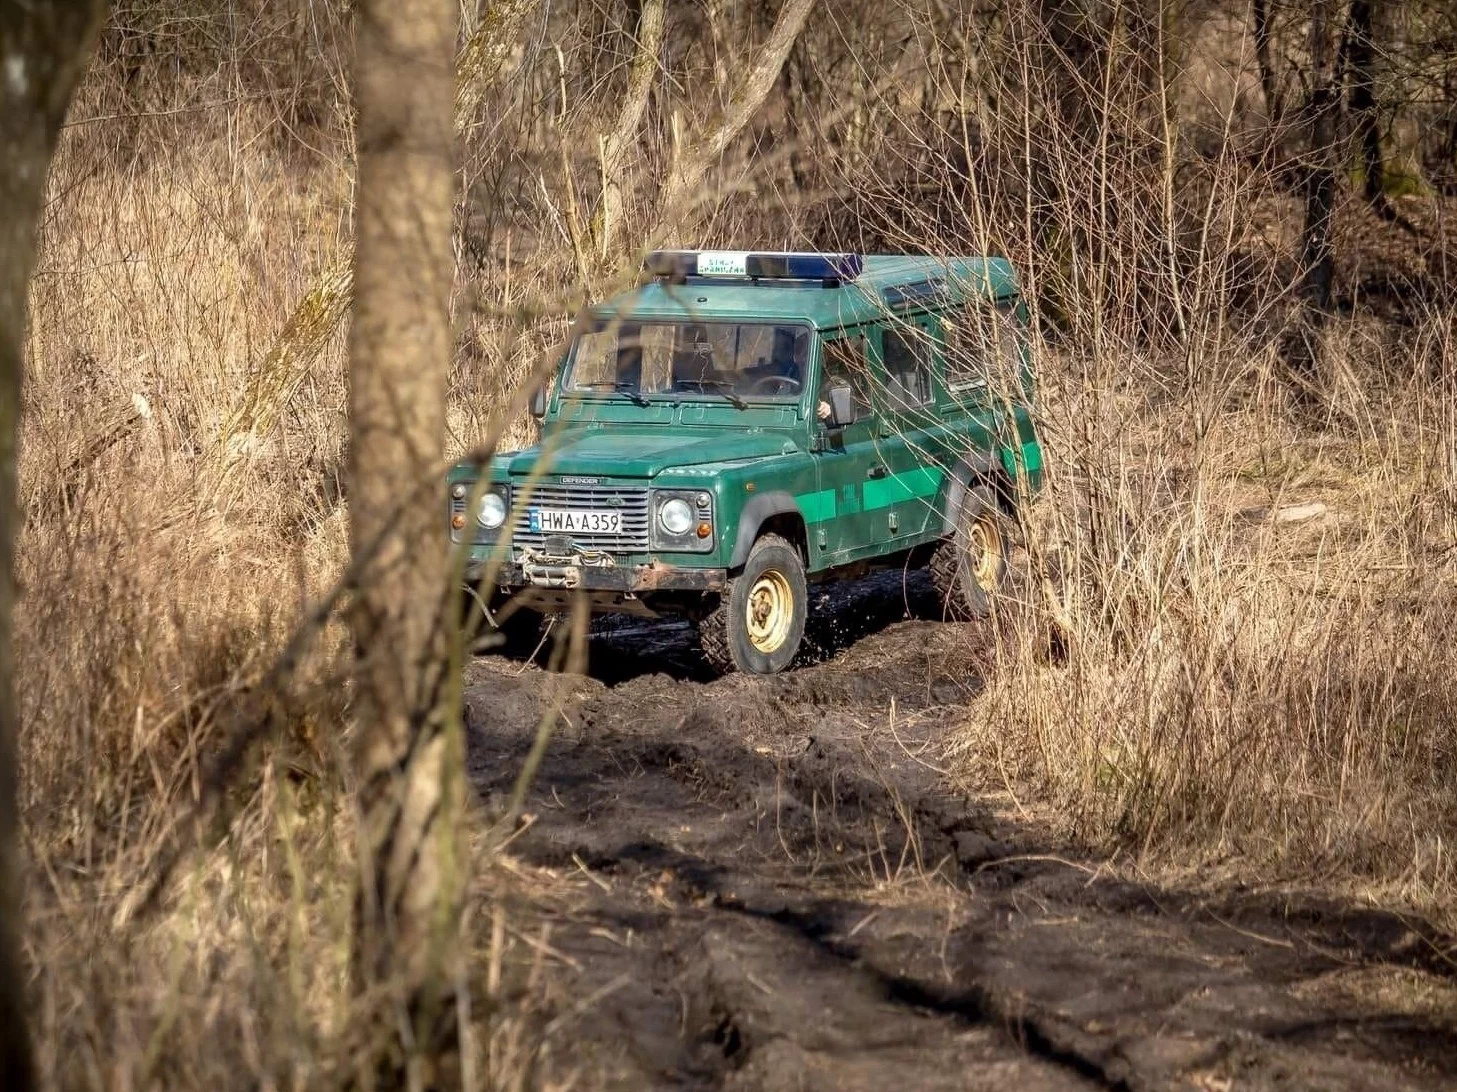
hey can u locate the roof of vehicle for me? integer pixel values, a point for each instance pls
(884, 279)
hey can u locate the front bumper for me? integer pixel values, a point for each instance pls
(599, 573)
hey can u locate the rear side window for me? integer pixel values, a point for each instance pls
(982, 344)
(907, 366)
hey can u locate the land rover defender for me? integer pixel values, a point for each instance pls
(741, 425)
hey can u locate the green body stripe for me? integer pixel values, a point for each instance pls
(1031, 459)
(817, 507)
(923, 481)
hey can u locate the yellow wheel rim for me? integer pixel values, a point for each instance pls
(769, 611)
(986, 552)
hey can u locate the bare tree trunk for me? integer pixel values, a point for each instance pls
(1399, 92)
(1306, 349)
(1361, 56)
(1317, 255)
(43, 48)
(1274, 107)
(411, 780)
(691, 165)
(626, 132)
(1372, 41)
(499, 24)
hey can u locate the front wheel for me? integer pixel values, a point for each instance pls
(759, 622)
(970, 567)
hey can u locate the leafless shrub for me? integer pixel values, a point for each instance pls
(1194, 676)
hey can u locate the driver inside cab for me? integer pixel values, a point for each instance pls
(840, 361)
(749, 360)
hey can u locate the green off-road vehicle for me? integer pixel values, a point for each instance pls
(743, 424)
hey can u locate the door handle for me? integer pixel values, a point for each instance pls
(877, 471)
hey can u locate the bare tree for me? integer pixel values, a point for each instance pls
(691, 164)
(411, 778)
(1369, 48)
(1362, 56)
(694, 157)
(43, 48)
(316, 317)
(1269, 84)
(624, 135)
(1318, 173)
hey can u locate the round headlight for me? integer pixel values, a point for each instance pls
(493, 511)
(675, 516)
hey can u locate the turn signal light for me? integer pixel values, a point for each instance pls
(704, 530)
(458, 521)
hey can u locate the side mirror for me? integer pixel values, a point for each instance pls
(538, 402)
(842, 407)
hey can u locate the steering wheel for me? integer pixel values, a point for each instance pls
(782, 384)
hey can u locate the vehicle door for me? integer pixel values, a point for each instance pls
(839, 529)
(903, 488)
(984, 376)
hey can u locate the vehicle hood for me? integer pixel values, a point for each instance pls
(630, 453)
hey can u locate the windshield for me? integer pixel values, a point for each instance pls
(741, 360)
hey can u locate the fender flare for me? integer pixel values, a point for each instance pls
(978, 468)
(760, 508)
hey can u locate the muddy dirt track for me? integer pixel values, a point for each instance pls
(761, 883)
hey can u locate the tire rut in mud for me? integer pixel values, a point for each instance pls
(772, 885)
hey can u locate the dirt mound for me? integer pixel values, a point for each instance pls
(769, 884)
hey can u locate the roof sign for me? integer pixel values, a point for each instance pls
(723, 263)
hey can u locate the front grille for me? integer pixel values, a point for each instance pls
(631, 501)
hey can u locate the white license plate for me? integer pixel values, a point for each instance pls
(583, 520)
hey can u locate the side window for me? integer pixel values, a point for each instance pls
(846, 362)
(982, 344)
(907, 366)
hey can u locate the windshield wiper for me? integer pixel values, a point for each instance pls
(630, 389)
(724, 389)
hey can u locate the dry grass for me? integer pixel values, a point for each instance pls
(1277, 695)
(1237, 686)
(183, 475)
(160, 571)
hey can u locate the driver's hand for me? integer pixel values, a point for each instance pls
(822, 411)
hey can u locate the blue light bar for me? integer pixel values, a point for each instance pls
(783, 265)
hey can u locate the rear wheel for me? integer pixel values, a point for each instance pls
(970, 567)
(759, 621)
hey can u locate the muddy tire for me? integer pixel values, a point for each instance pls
(760, 618)
(970, 567)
